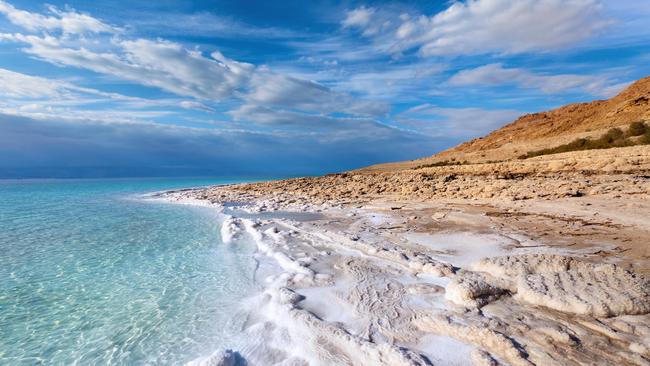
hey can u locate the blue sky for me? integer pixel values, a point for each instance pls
(232, 88)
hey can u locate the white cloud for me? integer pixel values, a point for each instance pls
(310, 122)
(182, 71)
(17, 85)
(67, 22)
(359, 17)
(38, 97)
(337, 48)
(395, 82)
(276, 90)
(487, 26)
(190, 104)
(185, 72)
(44, 112)
(461, 123)
(162, 64)
(496, 74)
(157, 63)
(365, 19)
(171, 67)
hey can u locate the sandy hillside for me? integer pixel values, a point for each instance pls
(546, 129)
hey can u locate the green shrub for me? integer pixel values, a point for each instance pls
(438, 163)
(611, 136)
(615, 137)
(645, 140)
(442, 163)
(637, 129)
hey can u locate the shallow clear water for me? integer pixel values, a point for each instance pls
(89, 274)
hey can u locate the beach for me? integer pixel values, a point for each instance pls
(552, 269)
(325, 183)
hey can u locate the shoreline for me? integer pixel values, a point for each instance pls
(396, 281)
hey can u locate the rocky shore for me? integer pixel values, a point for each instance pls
(541, 264)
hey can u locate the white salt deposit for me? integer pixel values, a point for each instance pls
(462, 248)
(443, 350)
(558, 282)
(268, 241)
(394, 304)
(230, 229)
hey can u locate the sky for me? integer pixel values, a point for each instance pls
(278, 88)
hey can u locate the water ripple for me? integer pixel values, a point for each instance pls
(87, 277)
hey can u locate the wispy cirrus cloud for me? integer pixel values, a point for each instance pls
(159, 63)
(45, 98)
(395, 83)
(17, 85)
(496, 75)
(482, 26)
(459, 123)
(66, 21)
(282, 91)
(311, 123)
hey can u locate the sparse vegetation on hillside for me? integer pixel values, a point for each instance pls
(638, 133)
(637, 129)
(441, 163)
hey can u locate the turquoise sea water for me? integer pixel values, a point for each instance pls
(90, 274)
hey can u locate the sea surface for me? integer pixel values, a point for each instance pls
(92, 274)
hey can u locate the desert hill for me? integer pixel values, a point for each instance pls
(545, 129)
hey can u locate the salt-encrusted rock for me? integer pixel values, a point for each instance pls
(425, 264)
(591, 291)
(230, 229)
(473, 290)
(479, 335)
(515, 265)
(562, 283)
(288, 296)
